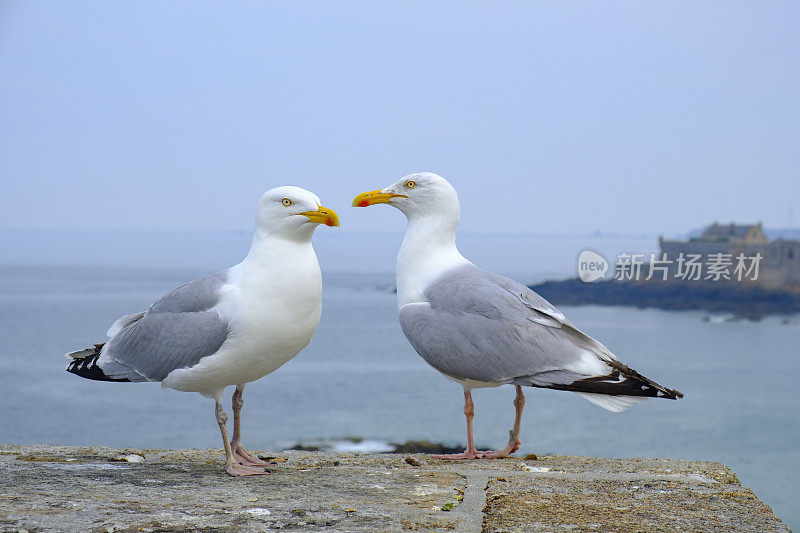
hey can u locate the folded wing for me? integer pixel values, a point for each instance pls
(480, 326)
(177, 331)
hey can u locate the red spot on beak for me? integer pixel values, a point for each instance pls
(329, 222)
(363, 203)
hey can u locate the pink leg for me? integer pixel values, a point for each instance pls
(470, 452)
(242, 456)
(231, 466)
(513, 435)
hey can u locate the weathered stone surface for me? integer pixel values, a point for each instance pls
(57, 488)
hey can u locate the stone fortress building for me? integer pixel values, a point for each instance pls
(779, 260)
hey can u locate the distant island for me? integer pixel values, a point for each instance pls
(727, 268)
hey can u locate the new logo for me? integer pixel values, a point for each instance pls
(591, 266)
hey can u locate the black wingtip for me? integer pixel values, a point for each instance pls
(671, 394)
(86, 367)
(622, 381)
(652, 388)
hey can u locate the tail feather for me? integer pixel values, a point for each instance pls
(80, 354)
(616, 404)
(84, 364)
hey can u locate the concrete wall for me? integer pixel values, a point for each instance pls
(59, 488)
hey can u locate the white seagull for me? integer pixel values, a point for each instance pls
(229, 328)
(483, 330)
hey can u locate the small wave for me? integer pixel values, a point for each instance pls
(359, 445)
(348, 444)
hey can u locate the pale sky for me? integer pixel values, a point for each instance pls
(547, 117)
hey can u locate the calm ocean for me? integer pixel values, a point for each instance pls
(360, 377)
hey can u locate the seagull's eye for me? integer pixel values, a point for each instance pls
(410, 184)
(286, 202)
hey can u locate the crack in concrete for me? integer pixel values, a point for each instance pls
(469, 512)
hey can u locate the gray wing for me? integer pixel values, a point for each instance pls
(175, 332)
(480, 326)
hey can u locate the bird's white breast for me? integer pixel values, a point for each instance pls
(273, 306)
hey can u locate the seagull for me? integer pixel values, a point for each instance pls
(228, 328)
(484, 330)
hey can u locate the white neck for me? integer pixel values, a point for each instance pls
(267, 251)
(428, 250)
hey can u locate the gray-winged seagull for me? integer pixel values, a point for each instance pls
(483, 330)
(229, 328)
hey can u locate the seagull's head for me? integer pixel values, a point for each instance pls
(420, 195)
(292, 213)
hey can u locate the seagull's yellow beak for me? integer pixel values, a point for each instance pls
(374, 197)
(323, 215)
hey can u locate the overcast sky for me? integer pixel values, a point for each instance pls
(547, 117)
